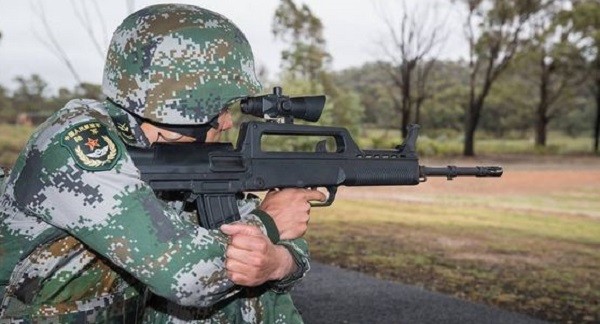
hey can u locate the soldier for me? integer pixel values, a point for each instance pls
(82, 238)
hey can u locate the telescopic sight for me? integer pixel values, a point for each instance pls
(277, 105)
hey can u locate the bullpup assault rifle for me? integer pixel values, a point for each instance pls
(212, 175)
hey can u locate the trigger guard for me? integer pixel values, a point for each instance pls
(332, 191)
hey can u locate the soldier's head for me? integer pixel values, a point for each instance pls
(178, 66)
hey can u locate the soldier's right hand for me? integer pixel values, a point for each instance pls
(251, 258)
(290, 209)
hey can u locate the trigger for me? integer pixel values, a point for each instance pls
(332, 191)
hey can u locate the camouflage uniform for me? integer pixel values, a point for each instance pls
(82, 238)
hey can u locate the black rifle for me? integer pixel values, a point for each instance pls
(214, 174)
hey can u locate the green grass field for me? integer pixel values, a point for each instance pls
(527, 257)
(12, 140)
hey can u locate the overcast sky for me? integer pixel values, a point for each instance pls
(352, 31)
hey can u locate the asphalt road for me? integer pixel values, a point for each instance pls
(332, 295)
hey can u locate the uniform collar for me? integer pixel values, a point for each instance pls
(128, 128)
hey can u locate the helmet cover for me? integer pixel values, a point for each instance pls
(178, 64)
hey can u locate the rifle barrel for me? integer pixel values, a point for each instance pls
(452, 171)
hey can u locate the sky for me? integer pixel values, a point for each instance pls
(353, 31)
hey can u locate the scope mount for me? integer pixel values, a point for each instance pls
(284, 105)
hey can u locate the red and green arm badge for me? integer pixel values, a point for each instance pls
(92, 146)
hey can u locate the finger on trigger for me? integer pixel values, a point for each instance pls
(315, 195)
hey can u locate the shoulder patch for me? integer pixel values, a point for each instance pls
(91, 146)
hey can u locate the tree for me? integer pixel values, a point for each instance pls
(556, 64)
(30, 94)
(411, 48)
(307, 60)
(89, 91)
(7, 114)
(83, 90)
(584, 19)
(371, 83)
(87, 21)
(495, 32)
(508, 106)
(51, 42)
(307, 56)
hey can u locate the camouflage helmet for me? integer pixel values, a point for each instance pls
(178, 64)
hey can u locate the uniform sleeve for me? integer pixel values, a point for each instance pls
(84, 182)
(298, 248)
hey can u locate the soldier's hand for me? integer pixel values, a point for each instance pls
(251, 258)
(290, 209)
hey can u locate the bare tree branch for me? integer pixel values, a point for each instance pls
(411, 40)
(51, 42)
(98, 12)
(83, 16)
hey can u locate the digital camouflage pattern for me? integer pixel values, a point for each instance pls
(89, 242)
(178, 64)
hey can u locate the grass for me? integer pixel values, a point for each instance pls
(452, 145)
(12, 140)
(521, 260)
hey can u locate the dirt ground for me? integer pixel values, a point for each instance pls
(522, 175)
(539, 273)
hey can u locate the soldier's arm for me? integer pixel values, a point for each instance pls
(108, 207)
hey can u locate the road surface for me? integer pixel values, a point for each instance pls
(332, 295)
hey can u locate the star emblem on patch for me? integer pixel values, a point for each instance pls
(92, 146)
(92, 143)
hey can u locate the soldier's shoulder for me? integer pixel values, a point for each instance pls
(74, 112)
(81, 110)
(82, 128)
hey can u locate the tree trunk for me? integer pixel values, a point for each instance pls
(469, 149)
(541, 126)
(405, 117)
(597, 121)
(406, 102)
(418, 110)
(541, 118)
(471, 120)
